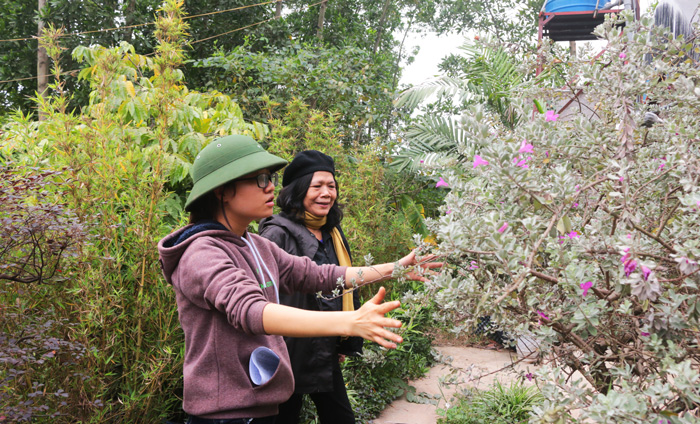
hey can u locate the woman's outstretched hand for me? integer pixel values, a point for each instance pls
(369, 321)
(423, 262)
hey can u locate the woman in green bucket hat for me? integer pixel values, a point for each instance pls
(227, 284)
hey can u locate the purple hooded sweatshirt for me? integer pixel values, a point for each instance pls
(222, 284)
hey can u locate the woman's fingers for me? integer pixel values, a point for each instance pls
(372, 323)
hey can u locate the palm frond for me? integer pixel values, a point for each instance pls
(432, 139)
(449, 86)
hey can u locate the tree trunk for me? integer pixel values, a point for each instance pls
(130, 9)
(42, 62)
(278, 9)
(321, 17)
(380, 30)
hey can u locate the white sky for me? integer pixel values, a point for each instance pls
(434, 48)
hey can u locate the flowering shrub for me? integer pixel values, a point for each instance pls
(582, 227)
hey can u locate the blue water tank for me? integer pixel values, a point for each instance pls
(572, 5)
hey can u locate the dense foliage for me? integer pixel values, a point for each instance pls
(582, 229)
(92, 334)
(106, 23)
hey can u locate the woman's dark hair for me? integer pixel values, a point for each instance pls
(204, 208)
(291, 201)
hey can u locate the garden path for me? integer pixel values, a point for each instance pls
(493, 364)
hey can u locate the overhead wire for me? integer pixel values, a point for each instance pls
(193, 42)
(145, 24)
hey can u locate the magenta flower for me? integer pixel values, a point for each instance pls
(449, 211)
(546, 153)
(585, 286)
(646, 272)
(473, 265)
(630, 266)
(441, 183)
(572, 235)
(577, 187)
(503, 227)
(622, 55)
(519, 161)
(661, 167)
(542, 315)
(644, 334)
(525, 147)
(629, 236)
(529, 376)
(575, 204)
(550, 116)
(422, 161)
(478, 161)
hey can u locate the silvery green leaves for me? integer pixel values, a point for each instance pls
(584, 229)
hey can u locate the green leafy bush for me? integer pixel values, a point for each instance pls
(380, 375)
(497, 405)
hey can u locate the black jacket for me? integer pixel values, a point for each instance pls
(312, 358)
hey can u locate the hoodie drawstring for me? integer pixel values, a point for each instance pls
(261, 265)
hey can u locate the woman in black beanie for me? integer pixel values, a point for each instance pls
(309, 225)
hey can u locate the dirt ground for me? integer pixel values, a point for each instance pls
(491, 364)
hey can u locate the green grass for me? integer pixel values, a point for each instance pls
(497, 405)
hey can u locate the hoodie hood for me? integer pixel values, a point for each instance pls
(172, 246)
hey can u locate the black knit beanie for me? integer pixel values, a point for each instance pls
(307, 162)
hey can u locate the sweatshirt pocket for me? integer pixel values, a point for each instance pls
(263, 365)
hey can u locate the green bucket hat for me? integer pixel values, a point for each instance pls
(226, 159)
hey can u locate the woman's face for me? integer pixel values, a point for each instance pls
(321, 195)
(246, 202)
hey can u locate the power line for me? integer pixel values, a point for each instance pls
(145, 24)
(193, 42)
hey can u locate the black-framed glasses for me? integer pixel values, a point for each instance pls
(263, 179)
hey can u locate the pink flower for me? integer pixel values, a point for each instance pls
(644, 334)
(529, 376)
(449, 211)
(661, 167)
(622, 55)
(542, 315)
(550, 116)
(478, 161)
(422, 161)
(575, 204)
(473, 265)
(441, 183)
(577, 187)
(630, 266)
(646, 272)
(585, 286)
(572, 235)
(519, 161)
(503, 227)
(622, 179)
(546, 153)
(525, 147)
(629, 236)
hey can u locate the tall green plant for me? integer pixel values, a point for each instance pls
(127, 160)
